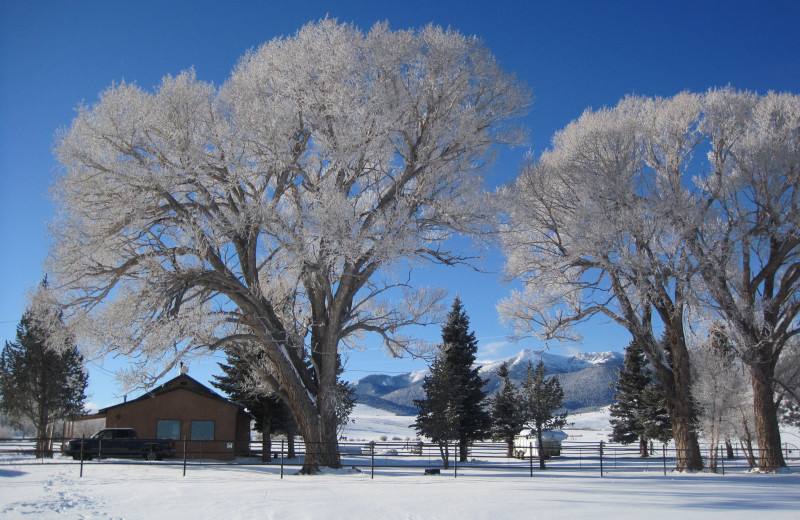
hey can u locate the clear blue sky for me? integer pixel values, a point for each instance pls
(574, 54)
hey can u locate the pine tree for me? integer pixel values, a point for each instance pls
(507, 419)
(438, 417)
(455, 389)
(270, 413)
(639, 413)
(541, 401)
(41, 382)
(461, 346)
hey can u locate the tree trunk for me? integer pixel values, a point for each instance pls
(322, 447)
(312, 406)
(290, 450)
(687, 446)
(540, 448)
(643, 452)
(676, 382)
(266, 440)
(712, 457)
(444, 450)
(42, 415)
(770, 455)
(729, 449)
(510, 447)
(463, 451)
(747, 448)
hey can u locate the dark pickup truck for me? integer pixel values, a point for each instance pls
(119, 442)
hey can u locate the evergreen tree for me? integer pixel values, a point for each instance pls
(639, 413)
(270, 413)
(439, 418)
(541, 401)
(507, 419)
(455, 388)
(345, 401)
(460, 347)
(41, 381)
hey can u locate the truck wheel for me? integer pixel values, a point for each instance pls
(152, 455)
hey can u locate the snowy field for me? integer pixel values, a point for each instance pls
(160, 491)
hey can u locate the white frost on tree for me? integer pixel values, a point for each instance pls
(747, 249)
(585, 238)
(723, 396)
(644, 210)
(283, 209)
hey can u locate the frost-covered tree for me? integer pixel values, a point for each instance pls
(541, 402)
(639, 412)
(507, 413)
(282, 209)
(788, 372)
(585, 236)
(747, 247)
(42, 377)
(622, 217)
(722, 394)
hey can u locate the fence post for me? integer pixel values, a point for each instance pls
(456, 455)
(664, 457)
(83, 439)
(372, 459)
(601, 458)
(281, 459)
(184, 455)
(530, 456)
(723, 466)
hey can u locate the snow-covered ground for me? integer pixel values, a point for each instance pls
(372, 424)
(53, 489)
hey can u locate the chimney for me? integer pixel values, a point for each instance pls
(184, 369)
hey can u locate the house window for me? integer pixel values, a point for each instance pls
(168, 429)
(202, 430)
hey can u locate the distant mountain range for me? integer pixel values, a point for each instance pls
(585, 378)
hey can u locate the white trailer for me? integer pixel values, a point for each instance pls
(526, 444)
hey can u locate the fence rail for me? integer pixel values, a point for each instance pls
(387, 457)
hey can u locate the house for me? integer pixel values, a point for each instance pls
(526, 444)
(204, 424)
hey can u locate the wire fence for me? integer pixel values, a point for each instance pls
(386, 458)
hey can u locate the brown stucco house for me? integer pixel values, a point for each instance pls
(202, 422)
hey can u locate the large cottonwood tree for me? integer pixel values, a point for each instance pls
(280, 209)
(748, 247)
(657, 206)
(585, 238)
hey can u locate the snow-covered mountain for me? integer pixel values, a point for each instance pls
(585, 377)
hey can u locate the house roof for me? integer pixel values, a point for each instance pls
(182, 382)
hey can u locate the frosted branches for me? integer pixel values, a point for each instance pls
(277, 205)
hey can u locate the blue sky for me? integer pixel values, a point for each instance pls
(573, 54)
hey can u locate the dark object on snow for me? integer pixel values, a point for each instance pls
(432, 471)
(120, 442)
